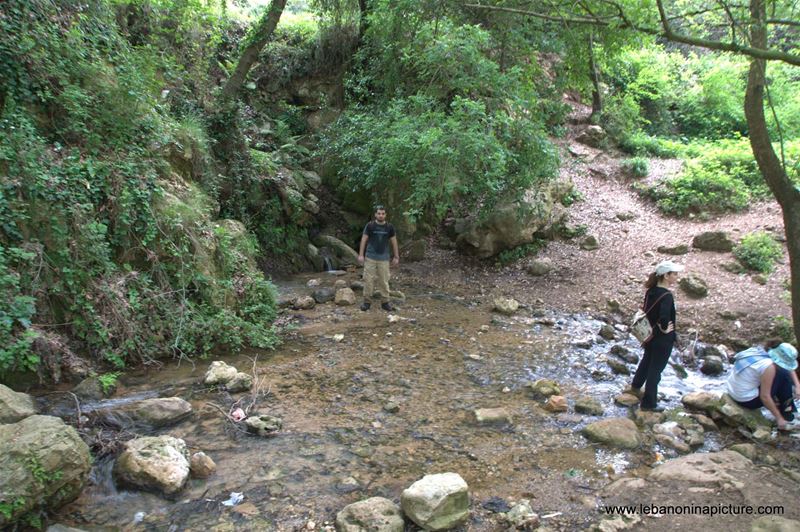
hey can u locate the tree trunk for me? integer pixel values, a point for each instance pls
(594, 74)
(255, 42)
(362, 19)
(786, 193)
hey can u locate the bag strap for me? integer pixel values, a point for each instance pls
(654, 304)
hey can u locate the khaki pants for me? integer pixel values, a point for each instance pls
(376, 271)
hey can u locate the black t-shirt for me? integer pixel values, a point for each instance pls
(662, 312)
(378, 240)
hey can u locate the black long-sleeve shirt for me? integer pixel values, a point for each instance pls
(662, 312)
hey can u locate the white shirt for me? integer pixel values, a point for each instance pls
(743, 386)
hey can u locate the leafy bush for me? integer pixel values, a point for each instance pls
(701, 188)
(509, 256)
(640, 143)
(636, 167)
(758, 251)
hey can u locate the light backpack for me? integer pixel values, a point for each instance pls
(640, 326)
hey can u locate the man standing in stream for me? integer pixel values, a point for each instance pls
(375, 242)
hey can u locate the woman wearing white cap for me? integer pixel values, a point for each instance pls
(764, 376)
(660, 308)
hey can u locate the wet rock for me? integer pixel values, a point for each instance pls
(616, 432)
(587, 405)
(522, 516)
(680, 249)
(694, 286)
(624, 353)
(91, 389)
(706, 422)
(556, 403)
(705, 401)
(153, 463)
(719, 469)
(159, 412)
(348, 485)
(618, 367)
(437, 502)
(734, 414)
(323, 295)
(590, 243)
(669, 428)
(371, 515)
(240, 383)
(505, 305)
(672, 443)
(345, 254)
(773, 523)
(543, 388)
(748, 450)
(357, 286)
(713, 241)
(15, 406)
(492, 416)
(626, 399)
(345, 297)
(304, 303)
(313, 283)
(607, 332)
(339, 284)
(539, 267)
(263, 425)
(201, 465)
(712, 366)
(44, 465)
(647, 418)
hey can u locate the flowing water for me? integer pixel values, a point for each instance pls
(370, 412)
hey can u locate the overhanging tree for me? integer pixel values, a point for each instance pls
(762, 30)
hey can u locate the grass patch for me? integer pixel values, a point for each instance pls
(758, 251)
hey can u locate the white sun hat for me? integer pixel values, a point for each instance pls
(667, 266)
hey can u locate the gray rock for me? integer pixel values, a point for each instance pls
(618, 367)
(240, 383)
(748, 450)
(345, 254)
(159, 412)
(324, 295)
(357, 286)
(263, 425)
(705, 401)
(694, 286)
(672, 443)
(15, 406)
(490, 416)
(738, 416)
(505, 305)
(44, 465)
(339, 284)
(522, 516)
(539, 267)
(153, 463)
(616, 432)
(712, 366)
(437, 502)
(593, 136)
(221, 374)
(624, 353)
(607, 332)
(371, 515)
(590, 243)
(345, 297)
(680, 249)
(718, 470)
(625, 216)
(587, 405)
(304, 303)
(626, 399)
(90, 388)
(713, 241)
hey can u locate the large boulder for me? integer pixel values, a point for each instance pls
(714, 469)
(694, 286)
(153, 463)
(346, 255)
(616, 432)
(510, 224)
(233, 380)
(43, 462)
(593, 135)
(15, 406)
(159, 412)
(437, 502)
(713, 241)
(705, 401)
(371, 515)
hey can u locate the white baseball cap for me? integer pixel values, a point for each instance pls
(667, 266)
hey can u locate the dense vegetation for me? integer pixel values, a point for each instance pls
(137, 201)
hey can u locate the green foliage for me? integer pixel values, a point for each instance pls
(571, 197)
(430, 157)
(642, 144)
(758, 251)
(636, 167)
(701, 189)
(783, 329)
(9, 508)
(16, 312)
(39, 472)
(108, 381)
(509, 256)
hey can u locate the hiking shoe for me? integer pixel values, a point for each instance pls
(792, 425)
(387, 307)
(365, 306)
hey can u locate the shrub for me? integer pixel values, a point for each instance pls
(758, 251)
(636, 167)
(640, 143)
(509, 256)
(701, 188)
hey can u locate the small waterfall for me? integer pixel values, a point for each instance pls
(327, 264)
(101, 477)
